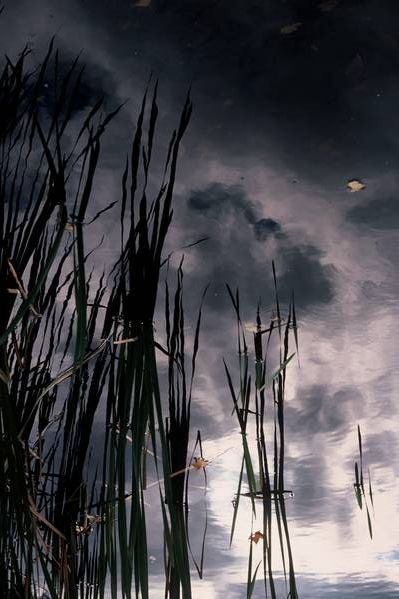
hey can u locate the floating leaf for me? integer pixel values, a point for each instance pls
(292, 28)
(142, 3)
(256, 536)
(199, 463)
(355, 185)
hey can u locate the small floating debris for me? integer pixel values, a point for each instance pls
(292, 28)
(199, 463)
(255, 537)
(355, 185)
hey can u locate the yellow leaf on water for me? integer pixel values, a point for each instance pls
(199, 463)
(256, 536)
(355, 185)
(288, 29)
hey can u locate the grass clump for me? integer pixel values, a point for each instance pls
(71, 524)
(265, 473)
(50, 501)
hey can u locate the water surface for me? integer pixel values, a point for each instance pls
(282, 121)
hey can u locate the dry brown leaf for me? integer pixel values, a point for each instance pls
(355, 185)
(142, 3)
(88, 524)
(199, 463)
(288, 29)
(21, 289)
(42, 519)
(80, 530)
(255, 537)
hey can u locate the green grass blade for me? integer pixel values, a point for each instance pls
(236, 502)
(275, 375)
(41, 279)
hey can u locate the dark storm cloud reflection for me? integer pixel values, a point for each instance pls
(92, 85)
(218, 200)
(264, 227)
(322, 419)
(321, 97)
(318, 94)
(380, 214)
(322, 410)
(235, 251)
(381, 449)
